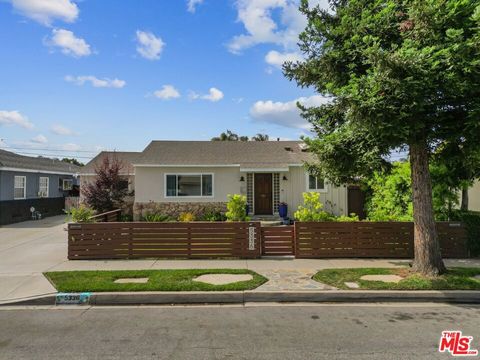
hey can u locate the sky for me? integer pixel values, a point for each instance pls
(77, 77)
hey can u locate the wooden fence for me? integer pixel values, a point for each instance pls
(278, 240)
(109, 216)
(371, 239)
(129, 240)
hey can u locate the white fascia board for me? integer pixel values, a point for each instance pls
(264, 169)
(38, 171)
(187, 166)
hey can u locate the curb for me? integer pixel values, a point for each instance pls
(242, 297)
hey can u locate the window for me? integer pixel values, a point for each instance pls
(43, 186)
(20, 185)
(316, 183)
(191, 185)
(67, 184)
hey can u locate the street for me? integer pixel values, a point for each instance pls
(268, 331)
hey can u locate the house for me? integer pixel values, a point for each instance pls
(172, 177)
(33, 182)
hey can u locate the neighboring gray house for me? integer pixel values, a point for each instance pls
(37, 182)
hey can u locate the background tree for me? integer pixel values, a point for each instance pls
(229, 136)
(260, 137)
(401, 74)
(108, 190)
(73, 161)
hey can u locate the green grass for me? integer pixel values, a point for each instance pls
(455, 279)
(159, 280)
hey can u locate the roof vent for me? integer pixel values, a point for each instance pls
(288, 148)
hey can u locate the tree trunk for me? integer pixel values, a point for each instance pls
(428, 260)
(464, 205)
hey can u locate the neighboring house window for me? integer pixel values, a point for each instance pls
(315, 183)
(43, 186)
(67, 184)
(20, 187)
(195, 185)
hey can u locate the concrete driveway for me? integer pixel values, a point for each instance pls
(26, 250)
(30, 248)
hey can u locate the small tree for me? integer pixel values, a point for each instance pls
(108, 190)
(312, 209)
(260, 137)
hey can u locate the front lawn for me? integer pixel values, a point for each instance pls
(455, 279)
(158, 280)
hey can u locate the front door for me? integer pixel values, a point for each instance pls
(263, 194)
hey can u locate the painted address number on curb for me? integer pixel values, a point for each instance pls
(72, 298)
(251, 238)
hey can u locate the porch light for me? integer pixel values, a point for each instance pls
(242, 178)
(284, 178)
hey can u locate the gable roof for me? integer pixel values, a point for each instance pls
(11, 160)
(246, 154)
(126, 157)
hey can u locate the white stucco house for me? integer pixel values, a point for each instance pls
(171, 177)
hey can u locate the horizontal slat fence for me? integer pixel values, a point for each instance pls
(371, 239)
(129, 240)
(278, 240)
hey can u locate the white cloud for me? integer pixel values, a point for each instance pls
(167, 92)
(149, 46)
(70, 147)
(277, 59)
(213, 95)
(40, 139)
(62, 130)
(96, 82)
(192, 5)
(263, 26)
(68, 43)
(45, 11)
(285, 113)
(14, 118)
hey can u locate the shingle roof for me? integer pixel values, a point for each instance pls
(251, 154)
(11, 160)
(126, 157)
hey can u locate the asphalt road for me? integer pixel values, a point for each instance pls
(376, 331)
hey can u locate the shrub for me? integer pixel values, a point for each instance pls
(126, 218)
(347, 218)
(312, 209)
(213, 216)
(156, 218)
(186, 217)
(80, 214)
(236, 206)
(471, 219)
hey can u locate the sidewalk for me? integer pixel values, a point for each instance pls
(28, 249)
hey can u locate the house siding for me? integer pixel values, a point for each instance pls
(32, 186)
(474, 197)
(150, 183)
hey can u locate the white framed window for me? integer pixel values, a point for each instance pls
(188, 185)
(315, 183)
(20, 187)
(67, 184)
(43, 183)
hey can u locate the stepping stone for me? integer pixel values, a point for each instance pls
(223, 279)
(352, 285)
(384, 278)
(131, 281)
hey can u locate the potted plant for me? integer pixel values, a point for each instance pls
(283, 209)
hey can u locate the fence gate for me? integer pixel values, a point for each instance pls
(278, 240)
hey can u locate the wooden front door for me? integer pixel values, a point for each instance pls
(263, 194)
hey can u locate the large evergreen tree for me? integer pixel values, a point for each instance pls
(401, 74)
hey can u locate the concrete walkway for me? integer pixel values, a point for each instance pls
(30, 248)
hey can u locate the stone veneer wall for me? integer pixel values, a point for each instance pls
(174, 209)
